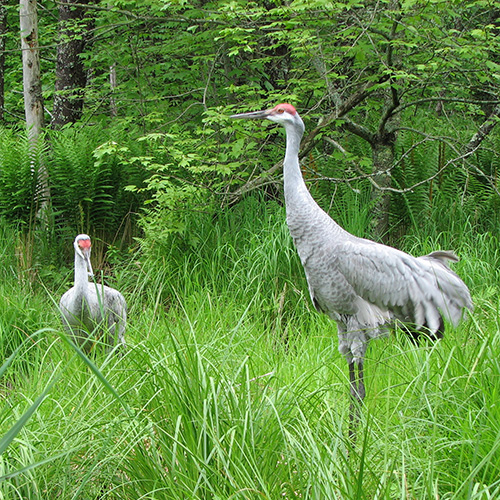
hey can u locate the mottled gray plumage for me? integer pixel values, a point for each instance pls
(90, 308)
(363, 285)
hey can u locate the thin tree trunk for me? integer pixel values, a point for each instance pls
(382, 145)
(33, 99)
(384, 140)
(112, 84)
(71, 77)
(383, 160)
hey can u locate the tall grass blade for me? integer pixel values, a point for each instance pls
(23, 470)
(10, 435)
(99, 375)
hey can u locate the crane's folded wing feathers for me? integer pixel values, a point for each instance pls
(415, 290)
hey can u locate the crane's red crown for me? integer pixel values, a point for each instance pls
(280, 108)
(84, 243)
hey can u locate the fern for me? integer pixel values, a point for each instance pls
(88, 180)
(418, 161)
(19, 173)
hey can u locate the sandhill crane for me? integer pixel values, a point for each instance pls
(363, 285)
(89, 308)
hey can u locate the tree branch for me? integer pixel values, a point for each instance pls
(425, 100)
(484, 129)
(308, 142)
(359, 130)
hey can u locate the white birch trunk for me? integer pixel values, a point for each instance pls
(33, 100)
(32, 87)
(112, 84)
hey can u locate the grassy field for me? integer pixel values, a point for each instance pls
(232, 386)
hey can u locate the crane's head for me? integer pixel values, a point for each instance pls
(284, 114)
(83, 246)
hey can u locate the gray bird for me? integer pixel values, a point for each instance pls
(90, 308)
(362, 285)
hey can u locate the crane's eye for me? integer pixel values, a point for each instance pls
(280, 110)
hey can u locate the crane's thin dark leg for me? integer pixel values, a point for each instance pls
(361, 382)
(357, 396)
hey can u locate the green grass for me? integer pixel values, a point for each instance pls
(232, 387)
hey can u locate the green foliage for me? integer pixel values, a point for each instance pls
(250, 243)
(231, 383)
(182, 66)
(21, 314)
(190, 171)
(180, 179)
(19, 167)
(433, 179)
(88, 176)
(232, 386)
(20, 318)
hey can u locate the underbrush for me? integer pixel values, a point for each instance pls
(232, 387)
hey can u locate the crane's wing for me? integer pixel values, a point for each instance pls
(110, 300)
(66, 306)
(416, 290)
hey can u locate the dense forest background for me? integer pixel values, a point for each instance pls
(400, 100)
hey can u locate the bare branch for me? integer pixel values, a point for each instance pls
(484, 129)
(425, 100)
(359, 130)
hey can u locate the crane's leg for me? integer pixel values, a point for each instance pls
(357, 396)
(352, 344)
(361, 381)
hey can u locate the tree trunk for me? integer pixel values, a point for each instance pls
(382, 145)
(71, 77)
(3, 33)
(383, 160)
(33, 99)
(112, 84)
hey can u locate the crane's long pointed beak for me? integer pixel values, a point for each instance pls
(252, 115)
(86, 256)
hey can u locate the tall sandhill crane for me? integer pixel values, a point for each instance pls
(89, 308)
(362, 285)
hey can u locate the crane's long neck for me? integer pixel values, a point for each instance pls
(292, 176)
(305, 218)
(81, 275)
(297, 196)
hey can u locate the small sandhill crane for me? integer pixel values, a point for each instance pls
(90, 308)
(363, 285)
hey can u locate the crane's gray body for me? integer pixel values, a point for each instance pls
(90, 309)
(362, 285)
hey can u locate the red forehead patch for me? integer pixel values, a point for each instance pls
(285, 107)
(84, 243)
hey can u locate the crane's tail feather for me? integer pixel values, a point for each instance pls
(442, 256)
(445, 294)
(416, 335)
